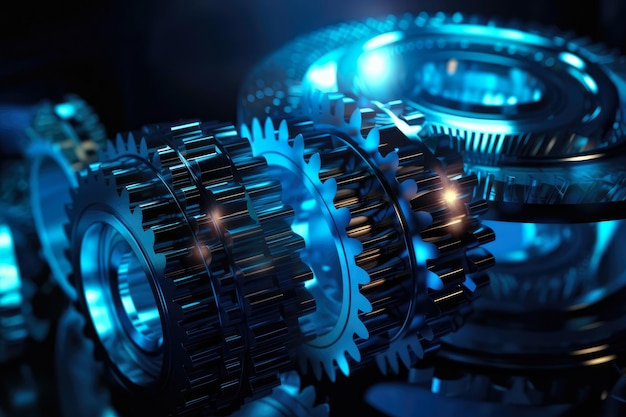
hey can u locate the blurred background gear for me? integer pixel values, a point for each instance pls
(80, 381)
(65, 138)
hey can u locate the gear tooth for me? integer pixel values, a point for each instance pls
(283, 130)
(131, 144)
(307, 395)
(356, 120)
(408, 189)
(244, 132)
(372, 140)
(119, 144)
(354, 352)
(329, 368)
(156, 161)
(405, 356)
(143, 147)
(342, 364)
(257, 131)
(269, 128)
(314, 165)
(298, 145)
(290, 378)
(359, 328)
(433, 282)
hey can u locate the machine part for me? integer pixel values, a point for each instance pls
(441, 175)
(537, 113)
(185, 262)
(65, 137)
(289, 399)
(395, 272)
(13, 326)
(20, 393)
(79, 377)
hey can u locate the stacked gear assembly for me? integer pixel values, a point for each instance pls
(187, 268)
(200, 253)
(391, 256)
(538, 117)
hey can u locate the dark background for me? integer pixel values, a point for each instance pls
(145, 62)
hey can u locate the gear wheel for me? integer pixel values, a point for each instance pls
(536, 113)
(376, 59)
(186, 264)
(442, 177)
(286, 400)
(65, 137)
(393, 188)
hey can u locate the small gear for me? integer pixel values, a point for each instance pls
(65, 137)
(289, 399)
(195, 236)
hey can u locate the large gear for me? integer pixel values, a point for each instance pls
(395, 190)
(512, 96)
(195, 236)
(65, 137)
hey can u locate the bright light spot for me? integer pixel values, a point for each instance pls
(450, 196)
(572, 59)
(323, 77)
(590, 83)
(511, 101)
(5, 237)
(373, 65)
(382, 40)
(65, 110)
(451, 66)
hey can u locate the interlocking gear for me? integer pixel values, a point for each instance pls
(395, 219)
(186, 264)
(438, 177)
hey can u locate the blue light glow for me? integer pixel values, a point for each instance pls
(65, 110)
(323, 76)
(572, 60)
(383, 40)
